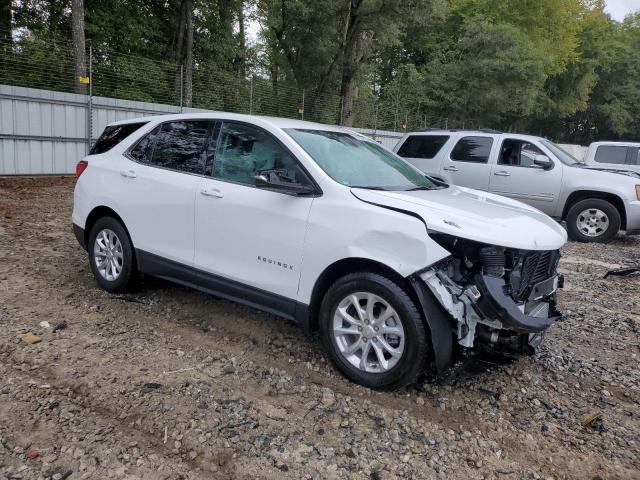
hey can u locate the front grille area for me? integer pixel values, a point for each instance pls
(532, 268)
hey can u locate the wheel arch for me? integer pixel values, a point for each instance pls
(437, 321)
(612, 198)
(341, 268)
(100, 212)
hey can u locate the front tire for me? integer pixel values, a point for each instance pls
(111, 256)
(373, 331)
(593, 220)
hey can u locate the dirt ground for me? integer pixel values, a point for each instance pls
(169, 383)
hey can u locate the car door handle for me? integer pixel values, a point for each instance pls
(214, 192)
(451, 169)
(128, 173)
(502, 173)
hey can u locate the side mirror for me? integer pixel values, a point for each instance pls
(543, 162)
(279, 181)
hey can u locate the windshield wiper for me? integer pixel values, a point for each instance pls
(423, 187)
(394, 189)
(370, 188)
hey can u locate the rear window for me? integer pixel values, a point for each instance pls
(472, 149)
(113, 135)
(611, 154)
(422, 146)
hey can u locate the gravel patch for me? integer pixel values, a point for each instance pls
(169, 383)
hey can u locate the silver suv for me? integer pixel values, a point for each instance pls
(594, 202)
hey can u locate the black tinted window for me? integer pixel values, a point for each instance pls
(636, 157)
(113, 135)
(181, 146)
(143, 150)
(472, 149)
(611, 154)
(422, 146)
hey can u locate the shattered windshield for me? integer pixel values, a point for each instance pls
(359, 162)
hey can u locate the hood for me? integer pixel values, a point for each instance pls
(475, 215)
(619, 171)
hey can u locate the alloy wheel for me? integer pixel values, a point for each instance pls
(368, 332)
(108, 254)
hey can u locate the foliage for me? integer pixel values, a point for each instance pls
(560, 68)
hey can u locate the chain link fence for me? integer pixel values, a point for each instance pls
(45, 65)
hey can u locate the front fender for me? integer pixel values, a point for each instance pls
(339, 230)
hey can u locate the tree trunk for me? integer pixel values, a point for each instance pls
(184, 54)
(348, 94)
(79, 51)
(188, 57)
(226, 15)
(356, 52)
(275, 73)
(356, 47)
(5, 23)
(242, 42)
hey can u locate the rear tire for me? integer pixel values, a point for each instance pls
(111, 256)
(386, 328)
(593, 220)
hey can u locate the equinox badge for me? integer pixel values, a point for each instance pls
(275, 262)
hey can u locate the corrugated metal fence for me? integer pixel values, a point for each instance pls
(47, 132)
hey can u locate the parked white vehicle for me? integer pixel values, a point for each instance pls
(614, 155)
(322, 226)
(594, 204)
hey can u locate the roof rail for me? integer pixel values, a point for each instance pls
(441, 130)
(483, 130)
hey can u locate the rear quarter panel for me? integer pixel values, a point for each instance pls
(99, 185)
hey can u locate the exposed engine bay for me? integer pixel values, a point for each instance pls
(498, 296)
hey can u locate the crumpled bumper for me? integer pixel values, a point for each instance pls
(495, 304)
(485, 309)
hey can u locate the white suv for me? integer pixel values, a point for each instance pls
(323, 226)
(614, 155)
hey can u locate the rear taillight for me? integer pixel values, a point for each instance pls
(81, 167)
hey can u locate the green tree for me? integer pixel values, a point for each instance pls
(5, 22)
(612, 109)
(491, 79)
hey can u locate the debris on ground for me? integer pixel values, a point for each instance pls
(61, 325)
(229, 369)
(150, 387)
(622, 272)
(591, 417)
(30, 338)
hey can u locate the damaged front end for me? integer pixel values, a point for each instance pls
(499, 297)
